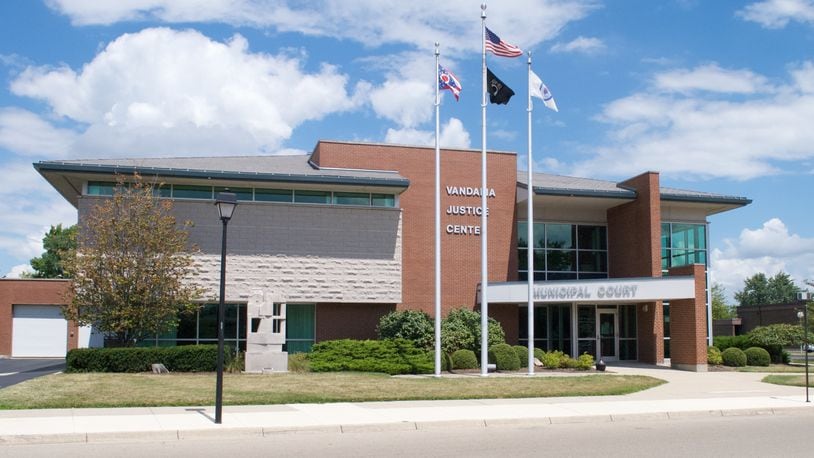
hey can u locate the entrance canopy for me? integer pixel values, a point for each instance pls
(612, 290)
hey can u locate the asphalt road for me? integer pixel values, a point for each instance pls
(13, 371)
(747, 436)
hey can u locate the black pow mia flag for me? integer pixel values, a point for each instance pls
(499, 93)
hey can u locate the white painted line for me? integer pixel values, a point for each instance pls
(3, 374)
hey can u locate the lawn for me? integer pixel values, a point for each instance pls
(776, 368)
(138, 390)
(791, 380)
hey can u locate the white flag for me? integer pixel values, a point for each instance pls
(540, 90)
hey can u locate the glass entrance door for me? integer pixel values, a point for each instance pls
(607, 335)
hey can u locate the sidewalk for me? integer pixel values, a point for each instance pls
(686, 394)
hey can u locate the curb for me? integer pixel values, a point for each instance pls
(194, 434)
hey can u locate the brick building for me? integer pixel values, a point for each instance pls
(345, 235)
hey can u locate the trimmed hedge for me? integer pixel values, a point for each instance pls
(504, 357)
(464, 359)
(522, 354)
(756, 356)
(585, 362)
(714, 356)
(186, 358)
(392, 356)
(734, 357)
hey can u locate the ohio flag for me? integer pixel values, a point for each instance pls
(448, 81)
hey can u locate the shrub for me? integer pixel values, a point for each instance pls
(774, 337)
(298, 362)
(552, 359)
(569, 363)
(461, 329)
(504, 357)
(724, 342)
(585, 362)
(392, 356)
(522, 355)
(714, 356)
(734, 357)
(235, 362)
(187, 358)
(413, 325)
(756, 356)
(464, 359)
(539, 353)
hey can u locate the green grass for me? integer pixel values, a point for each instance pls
(790, 380)
(139, 390)
(783, 368)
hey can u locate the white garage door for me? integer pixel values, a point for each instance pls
(39, 331)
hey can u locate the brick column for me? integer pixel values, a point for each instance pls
(688, 324)
(634, 250)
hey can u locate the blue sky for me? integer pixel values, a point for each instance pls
(717, 96)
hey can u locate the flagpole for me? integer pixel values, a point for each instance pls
(437, 219)
(484, 269)
(530, 234)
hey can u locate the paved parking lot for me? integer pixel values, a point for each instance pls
(16, 370)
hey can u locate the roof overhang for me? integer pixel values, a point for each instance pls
(67, 178)
(605, 291)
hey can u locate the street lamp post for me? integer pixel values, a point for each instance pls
(804, 297)
(226, 203)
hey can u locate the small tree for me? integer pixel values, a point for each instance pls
(461, 329)
(58, 244)
(129, 271)
(720, 308)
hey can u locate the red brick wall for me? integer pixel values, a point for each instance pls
(31, 292)
(688, 321)
(349, 321)
(460, 254)
(634, 250)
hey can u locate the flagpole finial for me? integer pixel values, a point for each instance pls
(437, 48)
(529, 54)
(483, 10)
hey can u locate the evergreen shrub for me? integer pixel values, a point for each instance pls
(391, 356)
(734, 357)
(504, 357)
(756, 356)
(464, 359)
(522, 354)
(186, 358)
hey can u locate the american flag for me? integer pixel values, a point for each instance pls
(499, 47)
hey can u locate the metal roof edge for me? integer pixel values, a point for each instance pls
(584, 193)
(239, 176)
(727, 200)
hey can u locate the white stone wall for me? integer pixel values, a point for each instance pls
(306, 253)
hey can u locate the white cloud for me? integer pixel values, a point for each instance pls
(408, 103)
(26, 133)
(453, 135)
(585, 45)
(18, 270)
(711, 78)
(161, 91)
(711, 134)
(454, 23)
(768, 249)
(775, 14)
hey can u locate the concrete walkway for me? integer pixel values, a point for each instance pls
(686, 394)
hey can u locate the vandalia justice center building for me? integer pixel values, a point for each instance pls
(346, 234)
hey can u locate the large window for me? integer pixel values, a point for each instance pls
(201, 327)
(682, 244)
(552, 327)
(563, 251)
(178, 191)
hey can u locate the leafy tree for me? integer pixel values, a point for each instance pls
(130, 268)
(780, 334)
(759, 290)
(58, 243)
(720, 308)
(413, 325)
